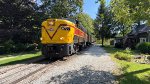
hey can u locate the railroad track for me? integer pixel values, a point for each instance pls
(35, 67)
(28, 70)
(39, 68)
(46, 67)
(41, 71)
(12, 67)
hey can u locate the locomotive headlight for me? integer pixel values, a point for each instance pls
(51, 23)
(41, 38)
(61, 38)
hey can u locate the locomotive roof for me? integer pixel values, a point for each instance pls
(80, 24)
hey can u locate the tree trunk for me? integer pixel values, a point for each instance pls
(102, 37)
(102, 42)
(123, 30)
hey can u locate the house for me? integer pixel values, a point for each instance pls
(144, 34)
(139, 34)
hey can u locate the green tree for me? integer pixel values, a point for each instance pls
(61, 8)
(18, 19)
(128, 12)
(86, 21)
(103, 21)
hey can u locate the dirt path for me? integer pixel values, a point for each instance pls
(92, 66)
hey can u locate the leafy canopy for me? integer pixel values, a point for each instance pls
(131, 11)
(61, 8)
(86, 21)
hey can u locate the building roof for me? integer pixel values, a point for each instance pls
(140, 29)
(145, 29)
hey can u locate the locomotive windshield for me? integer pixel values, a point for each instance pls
(71, 20)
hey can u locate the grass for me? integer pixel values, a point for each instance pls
(132, 73)
(13, 59)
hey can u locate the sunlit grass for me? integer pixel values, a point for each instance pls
(133, 73)
(18, 58)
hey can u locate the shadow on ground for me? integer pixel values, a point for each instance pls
(83, 76)
(131, 78)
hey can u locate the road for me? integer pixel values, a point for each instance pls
(91, 66)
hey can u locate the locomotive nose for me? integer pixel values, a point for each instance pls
(57, 31)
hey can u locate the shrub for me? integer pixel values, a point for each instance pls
(39, 46)
(122, 56)
(19, 47)
(127, 50)
(148, 58)
(30, 47)
(11, 47)
(2, 50)
(7, 47)
(144, 47)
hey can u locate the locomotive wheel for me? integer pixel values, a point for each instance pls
(46, 52)
(70, 52)
(80, 47)
(76, 48)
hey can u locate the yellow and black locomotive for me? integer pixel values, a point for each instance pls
(61, 37)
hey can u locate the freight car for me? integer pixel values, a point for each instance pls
(62, 37)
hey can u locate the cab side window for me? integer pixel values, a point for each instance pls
(77, 23)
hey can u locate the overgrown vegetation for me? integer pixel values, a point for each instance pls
(144, 47)
(131, 73)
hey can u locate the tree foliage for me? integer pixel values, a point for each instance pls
(20, 20)
(128, 12)
(86, 21)
(103, 21)
(61, 8)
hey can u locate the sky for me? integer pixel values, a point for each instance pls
(91, 8)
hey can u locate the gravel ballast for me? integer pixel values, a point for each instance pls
(91, 66)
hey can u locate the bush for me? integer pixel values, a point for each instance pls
(39, 46)
(2, 50)
(127, 50)
(122, 56)
(19, 47)
(11, 47)
(144, 47)
(148, 58)
(30, 47)
(7, 47)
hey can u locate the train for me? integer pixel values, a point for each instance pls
(63, 37)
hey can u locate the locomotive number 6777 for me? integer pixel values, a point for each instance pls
(62, 37)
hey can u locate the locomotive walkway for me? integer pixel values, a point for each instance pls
(92, 66)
